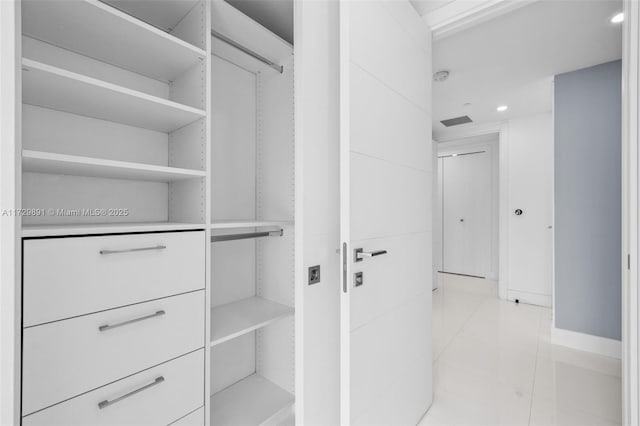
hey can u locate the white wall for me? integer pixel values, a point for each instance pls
(527, 173)
(317, 220)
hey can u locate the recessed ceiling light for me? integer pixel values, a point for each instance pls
(502, 108)
(467, 104)
(617, 18)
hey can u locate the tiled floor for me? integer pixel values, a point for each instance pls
(494, 365)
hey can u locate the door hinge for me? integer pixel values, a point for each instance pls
(629, 262)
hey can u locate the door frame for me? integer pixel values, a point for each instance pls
(630, 214)
(492, 148)
(500, 128)
(344, 101)
(10, 202)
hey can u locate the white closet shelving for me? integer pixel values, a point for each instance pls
(115, 152)
(92, 28)
(114, 115)
(138, 105)
(252, 401)
(74, 165)
(51, 87)
(244, 316)
(252, 280)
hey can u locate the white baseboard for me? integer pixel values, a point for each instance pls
(586, 342)
(530, 298)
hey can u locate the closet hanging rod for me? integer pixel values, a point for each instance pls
(248, 51)
(246, 235)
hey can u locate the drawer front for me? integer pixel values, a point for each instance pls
(158, 396)
(66, 358)
(67, 277)
(193, 419)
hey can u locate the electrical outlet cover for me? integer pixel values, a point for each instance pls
(314, 274)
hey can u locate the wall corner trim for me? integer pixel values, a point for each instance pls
(586, 342)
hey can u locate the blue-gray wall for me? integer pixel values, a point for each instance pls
(587, 126)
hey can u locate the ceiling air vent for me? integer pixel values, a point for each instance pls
(455, 121)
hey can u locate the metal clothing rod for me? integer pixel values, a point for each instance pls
(231, 237)
(249, 52)
(215, 34)
(461, 154)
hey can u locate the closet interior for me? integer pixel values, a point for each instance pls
(158, 236)
(252, 210)
(114, 114)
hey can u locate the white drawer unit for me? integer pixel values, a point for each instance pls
(157, 396)
(195, 418)
(66, 358)
(67, 277)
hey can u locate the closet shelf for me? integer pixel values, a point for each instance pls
(238, 224)
(97, 30)
(51, 87)
(74, 165)
(166, 14)
(235, 319)
(252, 401)
(30, 231)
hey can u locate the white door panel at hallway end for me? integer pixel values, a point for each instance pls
(530, 189)
(465, 188)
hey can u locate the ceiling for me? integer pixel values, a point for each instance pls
(425, 6)
(276, 15)
(511, 60)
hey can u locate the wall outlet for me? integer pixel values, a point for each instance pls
(314, 274)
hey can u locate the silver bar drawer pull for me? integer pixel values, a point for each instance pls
(131, 321)
(359, 254)
(107, 402)
(159, 247)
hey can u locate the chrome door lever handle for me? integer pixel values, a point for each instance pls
(359, 254)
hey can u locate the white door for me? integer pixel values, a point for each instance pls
(530, 193)
(466, 214)
(386, 175)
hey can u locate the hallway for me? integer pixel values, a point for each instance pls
(493, 364)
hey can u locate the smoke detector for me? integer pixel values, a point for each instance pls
(440, 76)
